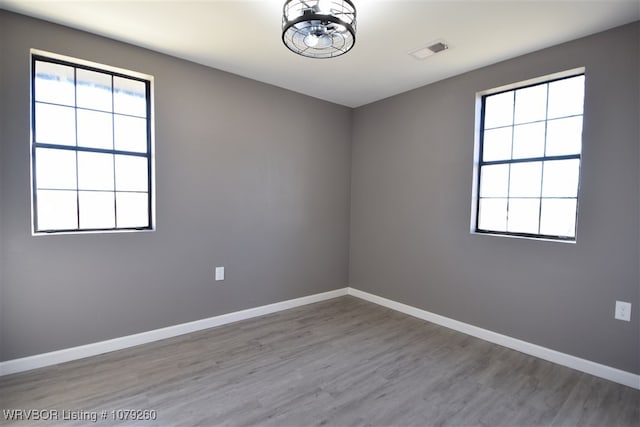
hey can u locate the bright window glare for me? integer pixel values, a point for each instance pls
(95, 171)
(54, 83)
(524, 179)
(495, 181)
(561, 178)
(96, 209)
(130, 133)
(566, 97)
(56, 169)
(558, 217)
(131, 173)
(132, 209)
(498, 110)
(56, 124)
(493, 214)
(564, 136)
(528, 140)
(531, 104)
(57, 210)
(93, 90)
(92, 149)
(530, 160)
(95, 129)
(129, 97)
(497, 144)
(522, 216)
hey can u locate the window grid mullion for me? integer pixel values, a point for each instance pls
(113, 145)
(75, 112)
(90, 149)
(97, 110)
(531, 159)
(513, 127)
(544, 152)
(535, 121)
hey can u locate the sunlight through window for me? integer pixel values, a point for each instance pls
(91, 148)
(529, 165)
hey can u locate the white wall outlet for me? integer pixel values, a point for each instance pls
(623, 311)
(219, 273)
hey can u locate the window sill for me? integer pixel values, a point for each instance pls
(525, 237)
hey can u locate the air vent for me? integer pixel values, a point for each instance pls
(427, 51)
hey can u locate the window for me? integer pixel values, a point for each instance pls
(529, 159)
(91, 147)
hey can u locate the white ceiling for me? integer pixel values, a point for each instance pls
(244, 37)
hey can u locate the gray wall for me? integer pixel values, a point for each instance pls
(241, 183)
(411, 200)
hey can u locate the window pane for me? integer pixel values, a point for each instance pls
(498, 110)
(496, 144)
(95, 171)
(130, 97)
(528, 140)
(133, 209)
(558, 217)
(94, 90)
(57, 210)
(523, 216)
(55, 125)
(96, 209)
(531, 104)
(55, 169)
(494, 181)
(566, 97)
(493, 215)
(130, 134)
(561, 178)
(54, 83)
(564, 136)
(95, 129)
(131, 173)
(525, 179)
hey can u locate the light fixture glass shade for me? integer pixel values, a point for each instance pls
(319, 28)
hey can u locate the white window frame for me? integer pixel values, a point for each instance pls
(37, 54)
(478, 163)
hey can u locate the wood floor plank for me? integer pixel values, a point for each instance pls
(341, 362)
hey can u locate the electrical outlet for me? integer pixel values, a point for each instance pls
(219, 273)
(623, 311)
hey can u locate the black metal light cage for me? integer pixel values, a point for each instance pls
(319, 28)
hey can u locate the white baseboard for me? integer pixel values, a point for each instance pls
(607, 372)
(94, 349)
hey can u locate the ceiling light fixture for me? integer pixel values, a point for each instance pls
(319, 28)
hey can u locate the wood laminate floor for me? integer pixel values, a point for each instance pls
(342, 362)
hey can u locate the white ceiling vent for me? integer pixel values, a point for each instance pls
(431, 49)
